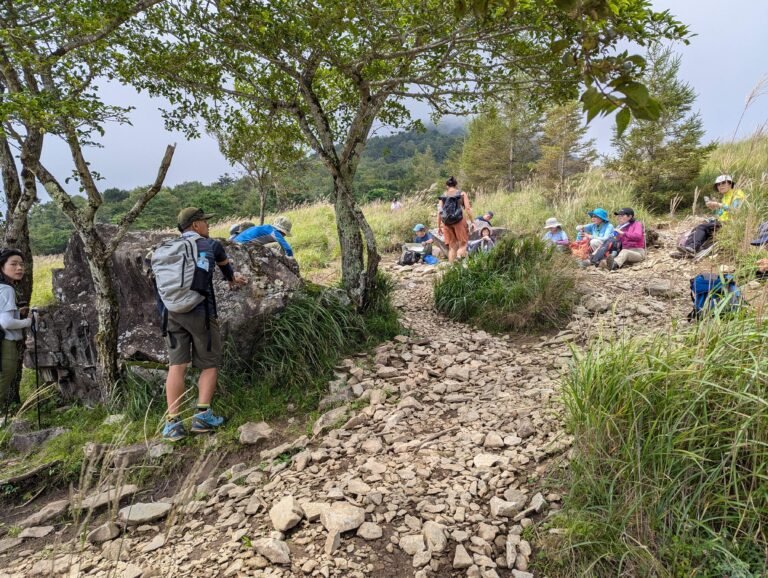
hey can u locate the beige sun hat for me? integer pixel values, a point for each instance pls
(283, 224)
(551, 223)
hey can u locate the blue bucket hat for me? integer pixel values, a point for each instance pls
(762, 235)
(418, 228)
(600, 214)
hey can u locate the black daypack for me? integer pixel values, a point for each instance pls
(409, 258)
(453, 209)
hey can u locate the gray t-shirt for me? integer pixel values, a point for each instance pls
(9, 315)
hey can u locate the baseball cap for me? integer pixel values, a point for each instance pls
(189, 215)
(627, 211)
(418, 227)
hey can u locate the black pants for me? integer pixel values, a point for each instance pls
(702, 235)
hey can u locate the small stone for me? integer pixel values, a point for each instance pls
(285, 514)
(421, 558)
(108, 496)
(538, 503)
(434, 536)
(157, 451)
(154, 544)
(141, 513)
(504, 509)
(48, 512)
(105, 532)
(309, 566)
(370, 531)
(36, 532)
(525, 429)
(521, 574)
(358, 487)
(132, 571)
(486, 461)
(328, 420)
(312, 510)
(276, 551)
(114, 419)
(493, 440)
(412, 544)
(332, 542)
(254, 433)
(9, 543)
(342, 517)
(461, 559)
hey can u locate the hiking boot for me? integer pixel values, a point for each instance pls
(584, 263)
(173, 431)
(609, 262)
(689, 250)
(205, 421)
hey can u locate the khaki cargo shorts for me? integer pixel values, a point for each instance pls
(187, 340)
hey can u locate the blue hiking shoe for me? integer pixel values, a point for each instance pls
(205, 421)
(173, 431)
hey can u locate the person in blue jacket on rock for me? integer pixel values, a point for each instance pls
(598, 231)
(265, 234)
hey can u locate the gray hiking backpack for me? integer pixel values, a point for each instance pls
(174, 265)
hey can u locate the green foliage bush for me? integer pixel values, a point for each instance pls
(670, 475)
(521, 284)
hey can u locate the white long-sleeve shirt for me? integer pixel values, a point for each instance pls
(9, 315)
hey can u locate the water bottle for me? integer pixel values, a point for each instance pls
(202, 261)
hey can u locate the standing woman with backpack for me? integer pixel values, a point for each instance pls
(453, 214)
(13, 321)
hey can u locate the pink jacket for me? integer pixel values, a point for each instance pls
(633, 237)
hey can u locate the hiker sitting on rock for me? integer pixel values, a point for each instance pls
(731, 200)
(631, 235)
(555, 234)
(481, 222)
(13, 322)
(452, 220)
(598, 231)
(484, 244)
(420, 248)
(266, 234)
(190, 319)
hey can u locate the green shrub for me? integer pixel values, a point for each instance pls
(670, 474)
(522, 283)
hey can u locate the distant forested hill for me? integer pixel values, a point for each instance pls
(391, 166)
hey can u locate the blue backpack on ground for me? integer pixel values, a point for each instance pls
(708, 291)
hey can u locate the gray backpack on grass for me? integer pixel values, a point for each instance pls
(174, 265)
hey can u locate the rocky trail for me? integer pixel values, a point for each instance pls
(446, 450)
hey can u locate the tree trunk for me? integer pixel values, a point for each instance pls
(20, 194)
(359, 256)
(108, 311)
(262, 201)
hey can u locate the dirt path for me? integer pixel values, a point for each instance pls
(436, 467)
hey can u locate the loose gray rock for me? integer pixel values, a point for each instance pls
(434, 536)
(108, 496)
(48, 512)
(104, 533)
(412, 544)
(9, 543)
(25, 442)
(502, 508)
(36, 532)
(276, 551)
(370, 531)
(142, 513)
(254, 433)
(285, 514)
(328, 419)
(461, 559)
(342, 517)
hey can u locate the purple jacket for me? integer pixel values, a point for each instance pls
(633, 237)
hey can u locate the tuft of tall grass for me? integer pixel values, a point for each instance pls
(670, 472)
(521, 284)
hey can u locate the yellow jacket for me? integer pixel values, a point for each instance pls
(731, 200)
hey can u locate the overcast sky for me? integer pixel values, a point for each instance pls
(723, 63)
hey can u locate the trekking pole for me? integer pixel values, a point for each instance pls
(37, 368)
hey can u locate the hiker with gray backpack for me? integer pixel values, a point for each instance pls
(453, 214)
(183, 274)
